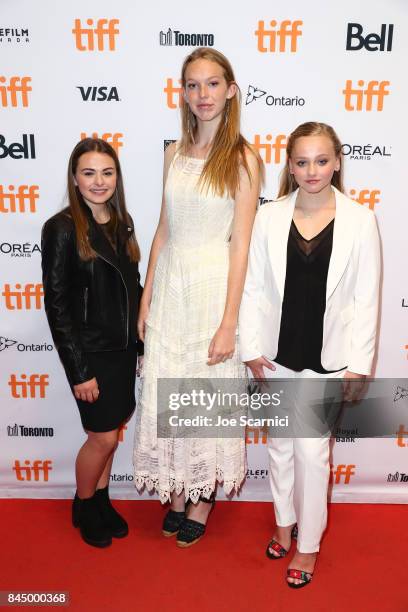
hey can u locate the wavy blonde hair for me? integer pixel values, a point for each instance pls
(287, 182)
(221, 170)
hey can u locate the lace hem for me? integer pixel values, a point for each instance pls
(151, 482)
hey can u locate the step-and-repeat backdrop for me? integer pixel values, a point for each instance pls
(74, 69)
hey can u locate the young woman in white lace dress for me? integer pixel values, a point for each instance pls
(195, 277)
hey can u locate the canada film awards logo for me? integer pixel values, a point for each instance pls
(278, 37)
(14, 35)
(14, 91)
(174, 93)
(28, 387)
(366, 151)
(95, 93)
(362, 97)
(366, 197)
(270, 148)
(29, 432)
(18, 150)
(180, 39)
(23, 297)
(99, 37)
(356, 41)
(114, 139)
(19, 249)
(341, 473)
(254, 94)
(32, 471)
(19, 199)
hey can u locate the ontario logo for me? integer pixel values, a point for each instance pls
(400, 393)
(254, 94)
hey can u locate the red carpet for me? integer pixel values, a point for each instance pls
(362, 565)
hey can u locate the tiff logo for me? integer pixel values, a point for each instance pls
(256, 435)
(9, 92)
(355, 97)
(174, 94)
(105, 31)
(272, 153)
(112, 139)
(38, 470)
(366, 197)
(27, 389)
(401, 434)
(287, 31)
(19, 298)
(21, 201)
(341, 471)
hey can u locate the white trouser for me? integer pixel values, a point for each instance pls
(299, 473)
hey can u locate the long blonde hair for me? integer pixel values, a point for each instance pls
(287, 182)
(221, 170)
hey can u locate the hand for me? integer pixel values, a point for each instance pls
(222, 346)
(87, 391)
(257, 365)
(141, 321)
(353, 385)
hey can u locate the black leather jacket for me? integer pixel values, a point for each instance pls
(91, 305)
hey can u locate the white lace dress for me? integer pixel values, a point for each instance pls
(189, 292)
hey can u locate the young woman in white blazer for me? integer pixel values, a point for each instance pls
(309, 310)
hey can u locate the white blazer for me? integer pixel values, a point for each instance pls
(352, 294)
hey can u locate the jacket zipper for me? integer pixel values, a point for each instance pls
(127, 296)
(86, 291)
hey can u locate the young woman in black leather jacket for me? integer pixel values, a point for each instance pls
(92, 288)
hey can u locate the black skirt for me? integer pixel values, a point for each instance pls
(115, 372)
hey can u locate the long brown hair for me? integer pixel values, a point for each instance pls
(221, 170)
(287, 182)
(117, 203)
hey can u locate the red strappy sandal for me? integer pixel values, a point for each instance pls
(274, 545)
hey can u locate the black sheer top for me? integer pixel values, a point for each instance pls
(304, 301)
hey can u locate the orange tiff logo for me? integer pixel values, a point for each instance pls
(340, 472)
(270, 151)
(33, 472)
(104, 32)
(17, 88)
(30, 387)
(26, 298)
(361, 98)
(285, 32)
(112, 139)
(23, 200)
(366, 197)
(401, 434)
(256, 435)
(174, 93)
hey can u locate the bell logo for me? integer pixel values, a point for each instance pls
(121, 435)
(16, 150)
(341, 471)
(254, 434)
(370, 42)
(105, 30)
(21, 201)
(9, 92)
(112, 139)
(174, 94)
(401, 434)
(32, 388)
(354, 97)
(272, 152)
(27, 298)
(267, 39)
(366, 197)
(32, 472)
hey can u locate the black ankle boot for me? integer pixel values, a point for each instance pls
(116, 525)
(87, 516)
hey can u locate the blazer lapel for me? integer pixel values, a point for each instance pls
(343, 238)
(278, 232)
